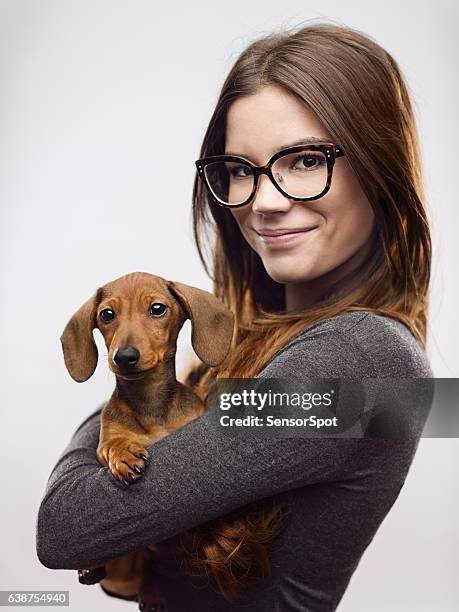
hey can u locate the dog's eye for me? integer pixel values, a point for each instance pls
(157, 309)
(107, 315)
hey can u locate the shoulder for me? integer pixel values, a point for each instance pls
(352, 344)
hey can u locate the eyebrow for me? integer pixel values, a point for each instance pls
(303, 141)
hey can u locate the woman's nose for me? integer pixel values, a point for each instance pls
(268, 198)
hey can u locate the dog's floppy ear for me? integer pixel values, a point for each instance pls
(212, 322)
(78, 345)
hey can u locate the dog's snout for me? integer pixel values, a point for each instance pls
(126, 357)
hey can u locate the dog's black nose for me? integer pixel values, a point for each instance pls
(126, 357)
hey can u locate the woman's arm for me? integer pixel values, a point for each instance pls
(194, 475)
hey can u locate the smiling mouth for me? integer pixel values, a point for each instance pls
(285, 237)
(282, 232)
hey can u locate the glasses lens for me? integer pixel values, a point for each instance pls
(231, 182)
(302, 174)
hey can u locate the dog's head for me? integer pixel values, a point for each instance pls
(139, 316)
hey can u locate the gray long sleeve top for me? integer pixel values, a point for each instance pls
(341, 488)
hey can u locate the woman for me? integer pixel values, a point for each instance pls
(342, 293)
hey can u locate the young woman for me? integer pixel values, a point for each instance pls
(310, 175)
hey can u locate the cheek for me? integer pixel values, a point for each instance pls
(350, 216)
(241, 218)
(238, 215)
(350, 229)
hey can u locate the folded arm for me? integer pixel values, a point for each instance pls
(87, 517)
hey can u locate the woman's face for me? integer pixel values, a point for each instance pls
(260, 125)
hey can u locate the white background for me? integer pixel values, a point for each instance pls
(103, 108)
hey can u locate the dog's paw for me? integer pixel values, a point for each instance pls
(125, 459)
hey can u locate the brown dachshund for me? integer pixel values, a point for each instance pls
(140, 316)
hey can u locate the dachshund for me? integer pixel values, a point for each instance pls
(139, 316)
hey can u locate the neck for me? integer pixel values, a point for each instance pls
(150, 396)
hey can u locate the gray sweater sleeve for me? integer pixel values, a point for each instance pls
(86, 517)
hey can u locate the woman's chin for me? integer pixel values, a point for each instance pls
(288, 274)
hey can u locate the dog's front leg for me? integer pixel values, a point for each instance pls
(123, 452)
(124, 441)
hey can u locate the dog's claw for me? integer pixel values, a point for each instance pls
(124, 463)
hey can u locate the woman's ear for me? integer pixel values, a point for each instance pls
(212, 323)
(78, 345)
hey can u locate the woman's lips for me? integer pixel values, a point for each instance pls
(284, 238)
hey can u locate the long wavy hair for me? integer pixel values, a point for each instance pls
(357, 90)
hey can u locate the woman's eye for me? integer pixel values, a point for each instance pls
(157, 309)
(107, 315)
(239, 172)
(308, 162)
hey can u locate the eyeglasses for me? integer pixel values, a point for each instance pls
(302, 173)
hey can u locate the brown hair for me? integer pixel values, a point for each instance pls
(357, 90)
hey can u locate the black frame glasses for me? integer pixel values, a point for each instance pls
(330, 150)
